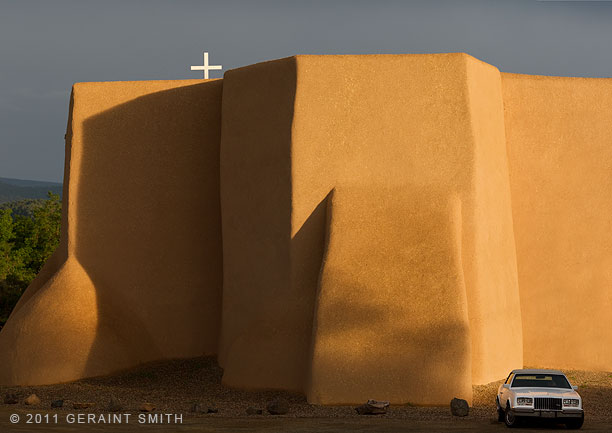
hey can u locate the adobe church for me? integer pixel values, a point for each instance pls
(396, 227)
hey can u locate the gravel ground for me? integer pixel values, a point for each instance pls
(173, 387)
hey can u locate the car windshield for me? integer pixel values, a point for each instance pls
(540, 381)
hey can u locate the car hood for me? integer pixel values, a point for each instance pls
(546, 392)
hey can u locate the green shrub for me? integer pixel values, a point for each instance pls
(26, 242)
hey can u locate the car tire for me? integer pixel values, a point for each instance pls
(500, 412)
(510, 419)
(574, 424)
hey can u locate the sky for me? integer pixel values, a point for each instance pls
(46, 46)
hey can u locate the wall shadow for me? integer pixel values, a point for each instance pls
(262, 329)
(148, 224)
(307, 249)
(382, 353)
(391, 316)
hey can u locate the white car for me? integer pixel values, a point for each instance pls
(539, 393)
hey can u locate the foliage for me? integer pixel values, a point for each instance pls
(25, 207)
(26, 242)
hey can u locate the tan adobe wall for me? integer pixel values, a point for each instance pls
(137, 276)
(398, 227)
(560, 151)
(424, 126)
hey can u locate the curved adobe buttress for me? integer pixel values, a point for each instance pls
(137, 275)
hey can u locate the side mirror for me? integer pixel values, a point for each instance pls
(575, 387)
(506, 385)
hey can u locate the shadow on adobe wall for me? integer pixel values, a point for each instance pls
(371, 353)
(401, 333)
(307, 248)
(149, 226)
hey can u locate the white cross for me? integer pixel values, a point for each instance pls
(206, 67)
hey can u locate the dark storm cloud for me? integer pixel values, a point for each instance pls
(46, 46)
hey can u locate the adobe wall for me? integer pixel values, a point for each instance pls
(391, 300)
(560, 152)
(398, 227)
(262, 317)
(137, 276)
(422, 126)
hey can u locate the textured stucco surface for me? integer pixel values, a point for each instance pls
(558, 132)
(137, 276)
(430, 125)
(396, 227)
(412, 269)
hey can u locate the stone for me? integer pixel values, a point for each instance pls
(114, 405)
(196, 407)
(10, 398)
(82, 405)
(253, 411)
(373, 407)
(146, 407)
(32, 400)
(57, 403)
(279, 406)
(459, 407)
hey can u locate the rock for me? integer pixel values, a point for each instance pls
(114, 405)
(11, 399)
(373, 407)
(81, 405)
(196, 407)
(146, 407)
(57, 403)
(32, 400)
(279, 406)
(252, 411)
(459, 407)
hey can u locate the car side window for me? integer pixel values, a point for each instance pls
(509, 378)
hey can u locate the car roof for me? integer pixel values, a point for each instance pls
(536, 371)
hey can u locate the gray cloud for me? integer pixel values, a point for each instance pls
(47, 46)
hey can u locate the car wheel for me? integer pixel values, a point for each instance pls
(500, 413)
(575, 424)
(510, 418)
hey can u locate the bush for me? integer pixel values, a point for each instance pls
(26, 242)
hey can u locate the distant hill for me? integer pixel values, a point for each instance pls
(12, 190)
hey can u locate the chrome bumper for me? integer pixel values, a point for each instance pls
(566, 413)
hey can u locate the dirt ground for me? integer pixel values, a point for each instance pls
(173, 387)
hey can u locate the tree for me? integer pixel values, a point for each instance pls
(6, 234)
(25, 244)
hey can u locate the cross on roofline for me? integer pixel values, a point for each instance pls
(206, 67)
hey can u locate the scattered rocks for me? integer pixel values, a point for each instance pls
(196, 407)
(146, 407)
(252, 411)
(57, 403)
(11, 399)
(373, 407)
(82, 405)
(32, 400)
(279, 406)
(459, 407)
(114, 405)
